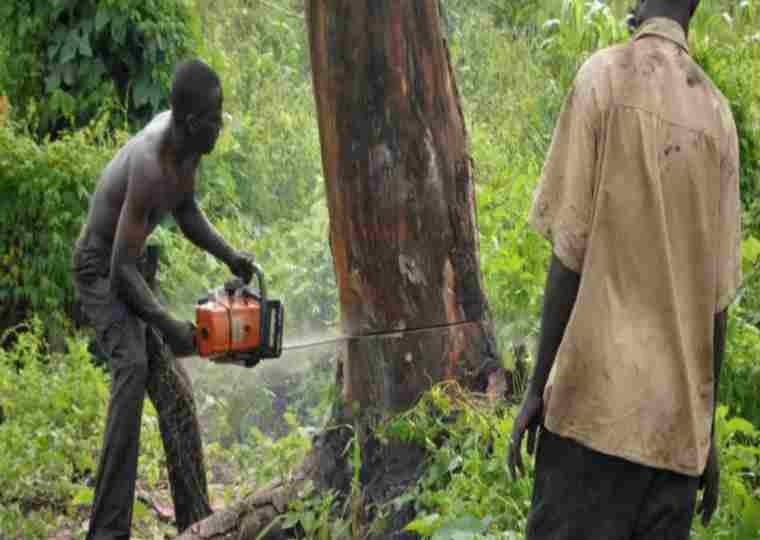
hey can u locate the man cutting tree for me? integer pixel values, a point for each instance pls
(153, 175)
(640, 199)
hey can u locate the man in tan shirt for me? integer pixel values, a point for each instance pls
(640, 200)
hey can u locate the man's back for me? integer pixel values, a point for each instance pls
(640, 197)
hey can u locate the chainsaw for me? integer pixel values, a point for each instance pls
(238, 324)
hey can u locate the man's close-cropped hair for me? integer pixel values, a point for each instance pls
(193, 81)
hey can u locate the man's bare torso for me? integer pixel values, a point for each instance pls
(142, 164)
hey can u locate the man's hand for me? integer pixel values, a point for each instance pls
(710, 483)
(242, 265)
(180, 336)
(529, 418)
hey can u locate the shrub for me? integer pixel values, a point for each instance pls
(467, 493)
(55, 404)
(740, 378)
(270, 152)
(67, 58)
(44, 190)
(727, 46)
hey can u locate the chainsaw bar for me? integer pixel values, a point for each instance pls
(340, 339)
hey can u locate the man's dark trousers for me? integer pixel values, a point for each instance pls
(139, 361)
(580, 494)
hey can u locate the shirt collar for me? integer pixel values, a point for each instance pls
(664, 28)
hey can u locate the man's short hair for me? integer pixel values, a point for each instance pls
(193, 82)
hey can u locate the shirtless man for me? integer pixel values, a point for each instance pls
(153, 175)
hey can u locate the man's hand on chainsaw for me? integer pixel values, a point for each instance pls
(242, 265)
(180, 337)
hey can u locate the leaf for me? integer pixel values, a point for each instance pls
(119, 28)
(53, 81)
(69, 49)
(102, 18)
(455, 463)
(751, 248)
(740, 425)
(84, 45)
(462, 528)
(424, 526)
(154, 95)
(84, 495)
(402, 500)
(291, 520)
(53, 48)
(750, 521)
(140, 92)
(140, 510)
(69, 74)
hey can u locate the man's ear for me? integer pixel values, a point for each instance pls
(191, 121)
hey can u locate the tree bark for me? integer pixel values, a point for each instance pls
(401, 198)
(403, 228)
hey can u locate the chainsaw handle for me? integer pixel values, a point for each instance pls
(236, 284)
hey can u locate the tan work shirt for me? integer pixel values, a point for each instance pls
(640, 196)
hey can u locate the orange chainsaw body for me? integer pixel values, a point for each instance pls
(238, 324)
(227, 324)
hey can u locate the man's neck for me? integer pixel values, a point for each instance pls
(183, 158)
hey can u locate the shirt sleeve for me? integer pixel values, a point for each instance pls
(729, 264)
(563, 201)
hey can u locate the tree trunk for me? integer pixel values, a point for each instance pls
(401, 198)
(403, 228)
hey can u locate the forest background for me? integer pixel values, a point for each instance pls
(77, 77)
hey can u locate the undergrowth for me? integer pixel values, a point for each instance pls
(467, 493)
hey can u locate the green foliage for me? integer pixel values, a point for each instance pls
(270, 153)
(55, 408)
(44, 190)
(467, 493)
(740, 378)
(738, 516)
(580, 29)
(55, 404)
(727, 46)
(512, 258)
(67, 59)
(313, 514)
(265, 459)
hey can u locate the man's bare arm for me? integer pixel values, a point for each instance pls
(197, 228)
(719, 349)
(131, 234)
(559, 299)
(710, 479)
